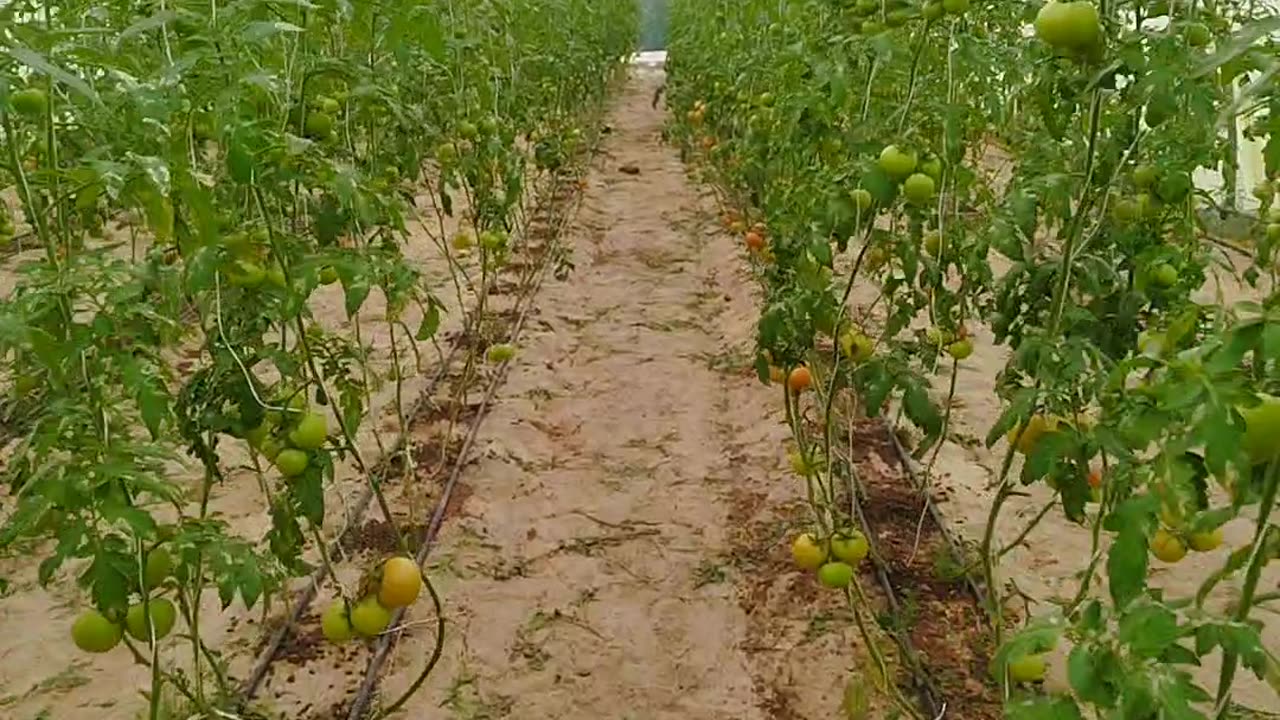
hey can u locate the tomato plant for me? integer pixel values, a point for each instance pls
(1032, 170)
(191, 176)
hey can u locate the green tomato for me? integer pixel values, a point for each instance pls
(275, 277)
(960, 349)
(335, 624)
(246, 274)
(1069, 25)
(807, 552)
(500, 353)
(1264, 190)
(489, 125)
(933, 11)
(328, 105)
(92, 632)
(850, 547)
(933, 243)
(1027, 669)
(311, 432)
(328, 275)
(446, 153)
(1197, 34)
(932, 166)
(896, 163)
(30, 102)
(468, 130)
(291, 462)
(1273, 232)
(1262, 430)
(1165, 275)
(163, 616)
(918, 189)
(862, 199)
(270, 448)
(159, 567)
(369, 618)
(318, 126)
(1144, 176)
(835, 574)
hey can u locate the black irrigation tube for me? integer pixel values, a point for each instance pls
(308, 594)
(928, 696)
(957, 552)
(373, 673)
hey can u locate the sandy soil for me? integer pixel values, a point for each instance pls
(624, 553)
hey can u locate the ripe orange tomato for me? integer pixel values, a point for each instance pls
(799, 379)
(755, 240)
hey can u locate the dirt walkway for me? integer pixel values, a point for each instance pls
(623, 554)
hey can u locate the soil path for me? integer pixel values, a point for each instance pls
(629, 501)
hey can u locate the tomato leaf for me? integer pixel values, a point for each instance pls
(1148, 629)
(1127, 558)
(1090, 669)
(39, 63)
(1041, 707)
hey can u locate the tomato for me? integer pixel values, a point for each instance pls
(1144, 176)
(93, 632)
(960, 349)
(270, 448)
(328, 275)
(857, 346)
(163, 616)
(31, 102)
(737, 227)
(1165, 275)
(1262, 430)
(799, 379)
(835, 574)
(850, 546)
(776, 374)
(808, 553)
(918, 189)
(1197, 34)
(275, 277)
(446, 153)
(493, 240)
(1206, 541)
(328, 105)
(955, 7)
(468, 130)
(932, 166)
(500, 353)
(489, 125)
(765, 99)
(318, 126)
(1027, 669)
(369, 618)
(1069, 25)
(400, 583)
(933, 242)
(335, 624)
(246, 274)
(895, 162)
(291, 462)
(1167, 547)
(1273, 232)
(311, 432)
(933, 11)
(1095, 478)
(861, 199)
(1037, 427)
(1147, 205)
(1125, 210)
(159, 567)
(1264, 190)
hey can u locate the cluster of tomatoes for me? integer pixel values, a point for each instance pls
(290, 445)
(150, 618)
(396, 584)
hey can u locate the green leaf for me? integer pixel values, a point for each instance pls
(1240, 43)
(154, 22)
(1087, 668)
(430, 323)
(37, 62)
(255, 31)
(356, 292)
(920, 409)
(1041, 707)
(1127, 558)
(1148, 629)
